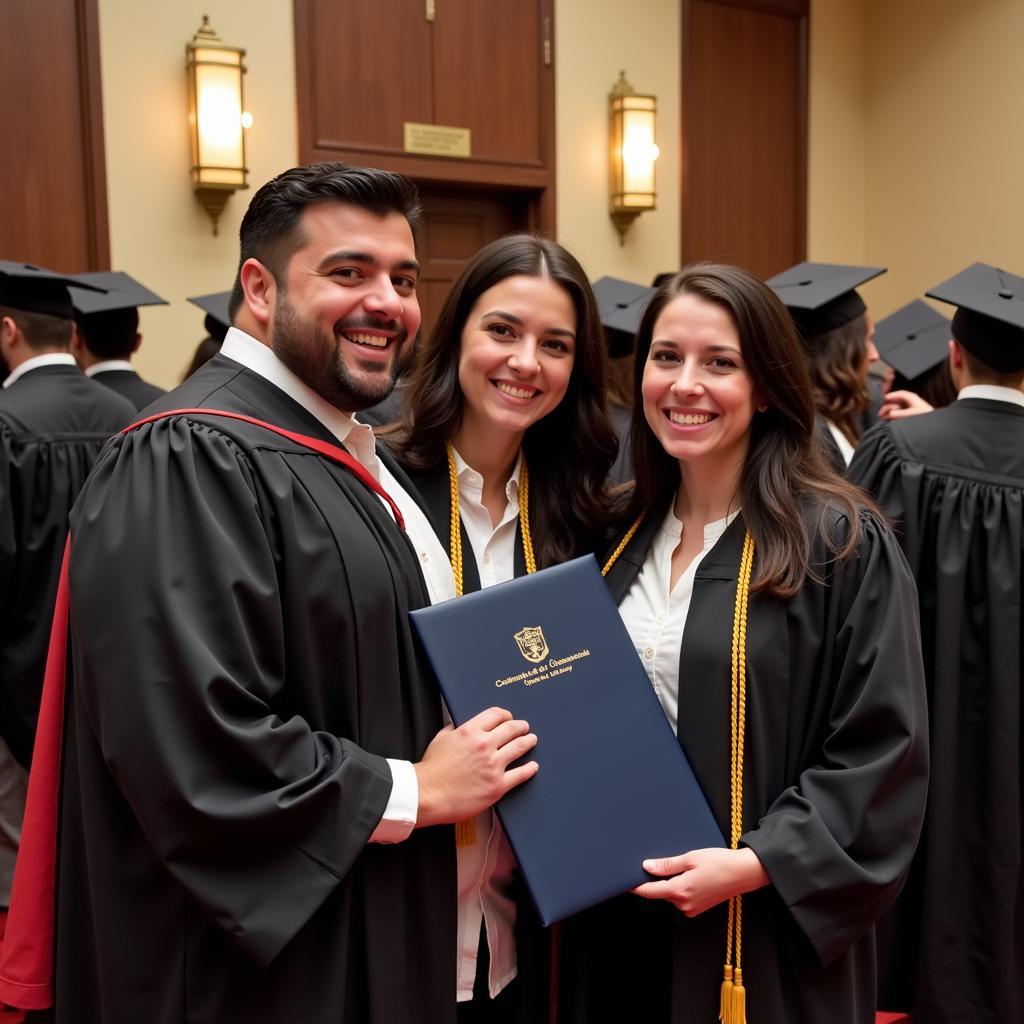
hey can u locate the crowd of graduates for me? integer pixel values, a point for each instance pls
(870, 475)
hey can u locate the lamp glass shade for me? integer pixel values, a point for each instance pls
(633, 152)
(215, 113)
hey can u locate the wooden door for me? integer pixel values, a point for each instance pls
(365, 68)
(53, 192)
(455, 224)
(744, 193)
(488, 58)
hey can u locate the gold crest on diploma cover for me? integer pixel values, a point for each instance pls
(532, 645)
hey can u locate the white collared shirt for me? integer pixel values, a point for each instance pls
(655, 617)
(842, 442)
(486, 866)
(993, 392)
(399, 817)
(46, 359)
(106, 365)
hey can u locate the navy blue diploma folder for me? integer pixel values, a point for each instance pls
(614, 786)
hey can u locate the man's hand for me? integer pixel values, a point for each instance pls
(466, 770)
(900, 404)
(701, 879)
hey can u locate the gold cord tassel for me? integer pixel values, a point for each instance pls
(733, 1007)
(725, 1005)
(739, 999)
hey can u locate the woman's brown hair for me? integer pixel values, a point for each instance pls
(838, 363)
(784, 469)
(569, 451)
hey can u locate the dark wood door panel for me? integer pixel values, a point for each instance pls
(455, 224)
(744, 169)
(371, 70)
(52, 181)
(487, 75)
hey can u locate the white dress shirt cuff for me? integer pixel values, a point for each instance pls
(400, 814)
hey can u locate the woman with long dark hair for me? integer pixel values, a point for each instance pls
(505, 440)
(775, 616)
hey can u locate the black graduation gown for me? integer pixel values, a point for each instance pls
(130, 385)
(622, 468)
(430, 488)
(834, 792)
(53, 423)
(953, 482)
(242, 664)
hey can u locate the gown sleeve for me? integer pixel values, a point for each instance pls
(838, 842)
(180, 667)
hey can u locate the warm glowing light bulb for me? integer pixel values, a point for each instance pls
(246, 119)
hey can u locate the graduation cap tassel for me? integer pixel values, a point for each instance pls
(739, 999)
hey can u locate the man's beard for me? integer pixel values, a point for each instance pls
(318, 362)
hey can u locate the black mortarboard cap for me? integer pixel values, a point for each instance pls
(121, 292)
(989, 320)
(913, 340)
(215, 306)
(620, 304)
(36, 289)
(822, 296)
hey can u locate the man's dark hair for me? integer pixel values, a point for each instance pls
(42, 332)
(270, 228)
(111, 334)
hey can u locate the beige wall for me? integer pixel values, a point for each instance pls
(595, 39)
(916, 153)
(916, 141)
(837, 132)
(945, 170)
(158, 231)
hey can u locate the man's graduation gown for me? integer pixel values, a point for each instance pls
(53, 423)
(953, 483)
(834, 793)
(242, 665)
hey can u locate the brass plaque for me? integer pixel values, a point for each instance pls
(436, 139)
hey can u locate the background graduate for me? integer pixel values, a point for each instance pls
(506, 444)
(800, 706)
(53, 423)
(107, 333)
(914, 342)
(953, 483)
(837, 332)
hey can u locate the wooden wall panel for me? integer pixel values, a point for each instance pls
(455, 224)
(53, 208)
(489, 59)
(365, 67)
(385, 55)
(745, 133)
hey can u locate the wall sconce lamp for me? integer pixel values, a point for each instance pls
(217, 119)
(631, 120)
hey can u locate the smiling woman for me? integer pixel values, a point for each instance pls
(774, 614)
(505, 440)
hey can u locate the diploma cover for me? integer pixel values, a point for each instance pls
(614, 785)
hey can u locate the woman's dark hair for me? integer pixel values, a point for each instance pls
(935, 386)
(838, 360)
(784, 468)
(569, 451)
(270, 230)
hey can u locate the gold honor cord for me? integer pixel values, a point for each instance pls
(733, 1008)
